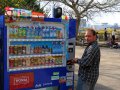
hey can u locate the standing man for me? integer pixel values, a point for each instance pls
(105, 35)
(89, 63)
(113, 35)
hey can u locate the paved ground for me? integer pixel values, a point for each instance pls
(109, 78)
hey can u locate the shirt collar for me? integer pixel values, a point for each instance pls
(92, 43)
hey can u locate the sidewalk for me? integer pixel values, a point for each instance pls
(101, 43)
(104, 42)
(109, 78)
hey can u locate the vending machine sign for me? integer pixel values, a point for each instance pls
(22, 80)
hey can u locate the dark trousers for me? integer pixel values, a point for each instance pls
(113, 37)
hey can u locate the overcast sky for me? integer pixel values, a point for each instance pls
(110, 18)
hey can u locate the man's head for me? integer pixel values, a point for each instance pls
(90, 35)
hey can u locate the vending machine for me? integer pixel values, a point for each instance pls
(34, 52)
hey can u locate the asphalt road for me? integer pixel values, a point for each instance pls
(109, 78)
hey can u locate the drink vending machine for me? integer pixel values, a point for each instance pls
(34, 52)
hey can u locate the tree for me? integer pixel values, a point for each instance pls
(87, 8)
(32, 5)
(11, 3)
(47, 6)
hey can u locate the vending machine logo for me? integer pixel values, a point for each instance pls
(21, 81)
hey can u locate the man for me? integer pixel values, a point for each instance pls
(89, 63)
(105, 35)
(113, 35)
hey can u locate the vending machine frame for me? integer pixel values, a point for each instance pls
(2, 51)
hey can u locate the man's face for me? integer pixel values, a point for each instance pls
(89, 37)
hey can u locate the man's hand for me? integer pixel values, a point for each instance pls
(75, 60)
(69, 62)
(72, 61)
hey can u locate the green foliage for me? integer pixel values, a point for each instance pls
(32, 5)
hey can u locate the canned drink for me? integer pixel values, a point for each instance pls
(36, 61)
(35, 50)
(10, 32)
(40, 49)
(19, 32)
(15, 49)
(43, 61)
(19, 62)
(24, 49)
(16, 62)
(15, 32)
(10, 50)
(31, 50)
(27, 62)
(39, 61)
(20, 49)
(27, 49)
(11, 63)
(23, 62)
(28, 32)
(23, 32)
(32, 61)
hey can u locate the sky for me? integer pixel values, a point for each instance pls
(109, 18)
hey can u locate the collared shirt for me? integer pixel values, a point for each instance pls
(89, 63)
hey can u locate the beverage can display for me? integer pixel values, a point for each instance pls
(37, 45)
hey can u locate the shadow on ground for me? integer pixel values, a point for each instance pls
(97, 87)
